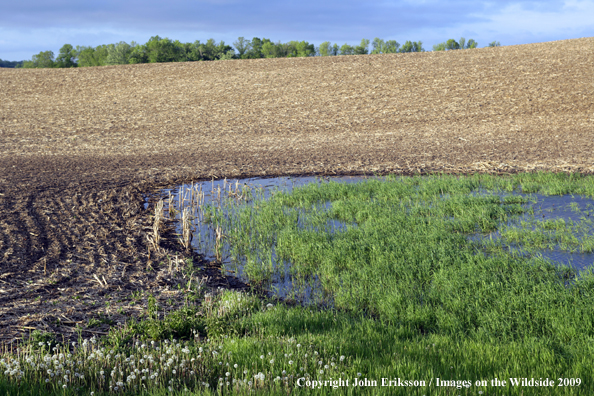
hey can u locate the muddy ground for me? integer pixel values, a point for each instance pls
(83, 150)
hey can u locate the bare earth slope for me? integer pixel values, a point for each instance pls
(79, 148)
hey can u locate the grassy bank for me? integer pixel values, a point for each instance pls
(403, 292)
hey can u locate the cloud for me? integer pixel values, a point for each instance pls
(574, 15)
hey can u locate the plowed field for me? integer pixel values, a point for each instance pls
(80, 149)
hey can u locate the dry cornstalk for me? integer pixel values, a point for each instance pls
(218, 242)
(157, 223)
(186, 230)
(171, 208)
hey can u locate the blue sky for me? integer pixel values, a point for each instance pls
(30, 26)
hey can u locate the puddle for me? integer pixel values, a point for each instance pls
(562, 210)
(210, 195)
(217, 192)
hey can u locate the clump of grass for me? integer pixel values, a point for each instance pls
(565, 235)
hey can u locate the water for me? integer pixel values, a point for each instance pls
(556, 207)
(204, 238)
(207, 241)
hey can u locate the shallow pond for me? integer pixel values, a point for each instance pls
(570, 216)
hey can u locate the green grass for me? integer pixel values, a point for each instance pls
(565, 235)
(407, 296)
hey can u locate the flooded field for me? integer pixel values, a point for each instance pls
(555, 229)
(202, 198)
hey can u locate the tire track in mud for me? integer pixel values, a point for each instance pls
(55, 241)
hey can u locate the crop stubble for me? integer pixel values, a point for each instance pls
(80, 148)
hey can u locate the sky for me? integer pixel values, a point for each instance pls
(28, 27)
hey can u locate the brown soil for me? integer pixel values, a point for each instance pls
(81, 150)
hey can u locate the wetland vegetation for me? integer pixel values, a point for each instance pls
(414, 278)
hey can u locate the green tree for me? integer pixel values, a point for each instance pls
(181, 50)
(471, 44)
(391, 47)
(335, 50)
(66, 57)
(300, 49)
(242, 46)
(287, 50)
(44, 59)
(213, 51)
(192, 51)
(11, 64)
(412, 46)
(347, 50)
(228, 55)
(363, 48)
(139, 54)
(120, 53)
(325, 49)
(381, 47)
(224, 49)
(451, 44)
(268, 50)
(378, 46)
(255, 50)
(439, 47)
(495, 44)
(161, 50)
(85, 56)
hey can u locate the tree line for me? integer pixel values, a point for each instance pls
(452, 44)
(158, 49)
(5, 63)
